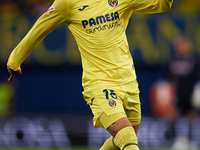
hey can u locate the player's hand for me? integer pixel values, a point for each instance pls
(13, 73)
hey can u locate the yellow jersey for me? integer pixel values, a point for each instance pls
(99, 28)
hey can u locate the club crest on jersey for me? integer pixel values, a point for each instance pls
(112, 103)
(50, 10)
(113, 3)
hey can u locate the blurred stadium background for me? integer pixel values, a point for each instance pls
(43, 108)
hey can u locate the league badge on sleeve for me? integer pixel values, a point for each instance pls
(113, 3)
(50, 10)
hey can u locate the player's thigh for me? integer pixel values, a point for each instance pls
(132, 108)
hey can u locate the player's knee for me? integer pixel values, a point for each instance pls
(115, 127)
(126, 139)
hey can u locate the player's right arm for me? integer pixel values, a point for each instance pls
(54, 17)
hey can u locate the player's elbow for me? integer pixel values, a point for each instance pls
(167, 6)
(163, 5)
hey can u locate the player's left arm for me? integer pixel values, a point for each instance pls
(150, 6)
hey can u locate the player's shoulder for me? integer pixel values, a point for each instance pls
(68, 3)
(62, 5)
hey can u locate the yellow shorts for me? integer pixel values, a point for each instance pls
(112, 99)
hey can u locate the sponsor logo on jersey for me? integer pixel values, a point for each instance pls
(50, 10)
(113, 3)
(100, 19)
(81, 9)
(112, 103)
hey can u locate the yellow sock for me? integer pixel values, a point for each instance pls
(126, 139)
(109, 145)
